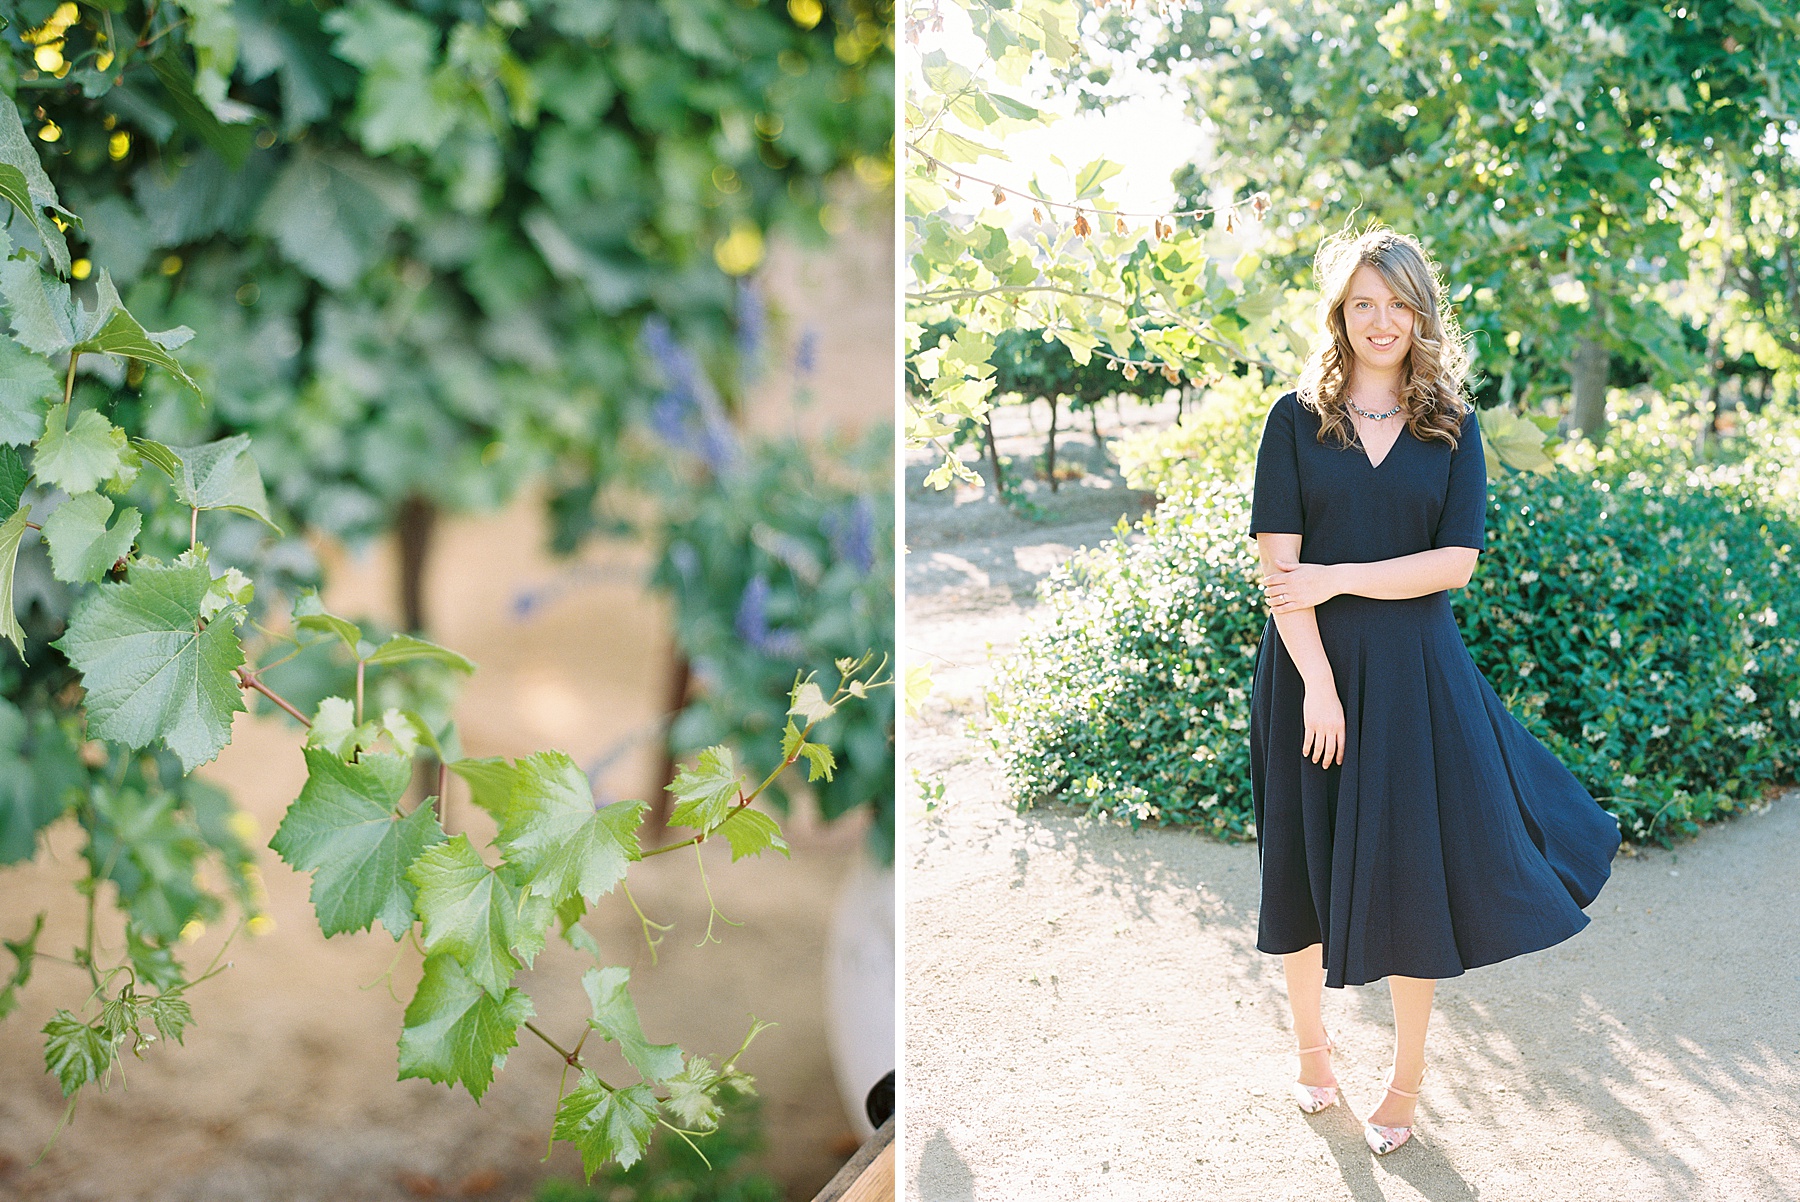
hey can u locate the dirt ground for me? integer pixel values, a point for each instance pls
(1088, 1017)
(286, 1087)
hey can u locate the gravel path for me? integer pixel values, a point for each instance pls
(1087, 1016)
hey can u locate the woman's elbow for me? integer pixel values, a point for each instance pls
(1465, 566)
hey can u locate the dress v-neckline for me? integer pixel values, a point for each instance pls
(1387, 455)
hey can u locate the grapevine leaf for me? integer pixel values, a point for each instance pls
(149, 673)
(558, 839)
(109, 329)
(691, 1094)
(12, 481)
(26, 384)
(77, 458)
(74, 1052)
(23, 182)
(704, 793)
(222, 475)
(819, 761)
(43, 315)
(334, 727)
(153, 963)
(808, 700)
(232, 591)
(172, 1016)
(471, 913)
(752, 832)
(491, 784)
(401, 730)
(455, 1032)
(604, 1124)
(150, 851)
(569, 915)
(159, 455)
(11, 531)
(25, 954)
(344, 828)
(82, 546)
(35, 780)
(402, 647)
(615, 1016)
(309, 614)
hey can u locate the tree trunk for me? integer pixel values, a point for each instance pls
(414, 526)
(1094, 425)
(1589, 369)
(987, 430)
(1050, 447)
(681, 676)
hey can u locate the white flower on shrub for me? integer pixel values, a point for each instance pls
(1613, 639)
(1768, 617)
(1556, 502)
(1745, 693)
(1527, 577)
(1753, 732)
(1592, 733)
(1525, 669)
(1657, 732)
(1628, 780)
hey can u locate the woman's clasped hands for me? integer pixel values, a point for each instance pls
(1296, 586)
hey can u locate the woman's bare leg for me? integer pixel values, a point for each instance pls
(1306, 986)
(1412, 1014)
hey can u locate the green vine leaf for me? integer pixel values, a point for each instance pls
(454, 1031)
(819, 760)
(606, 1124)
(82, 546)
(150, 669)
(705, 793)
(615, 1016)
(334, 727)
(346, 830)
(556, 837)
(42, 311)
(172, 1016)
(491, 782)
(11, 531)
(403, 647)
(473, 914)
(27, 384)
(23, 182)
(13, 478)
(310, 614)
(77, 458)
(24, 952)
(692, 1094)
(215, 475)
(752, 832)
(109, 329)
(74, 1052)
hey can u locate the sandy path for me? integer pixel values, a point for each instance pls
(1087, 1016)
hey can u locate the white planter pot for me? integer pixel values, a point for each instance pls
(859, 986)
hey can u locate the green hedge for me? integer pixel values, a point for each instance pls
(1641, 619)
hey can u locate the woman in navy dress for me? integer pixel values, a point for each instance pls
(1408, 826)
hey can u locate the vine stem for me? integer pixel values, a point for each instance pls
(69, 383)
(359, 690)
(194, 528)
(248, 680)
(571, 1058)
(1022, 194)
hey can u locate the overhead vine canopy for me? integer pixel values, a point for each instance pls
(417, 241)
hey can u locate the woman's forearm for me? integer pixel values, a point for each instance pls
(1415, 575)
(1299, 632)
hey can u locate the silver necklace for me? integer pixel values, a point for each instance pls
(1374, 417)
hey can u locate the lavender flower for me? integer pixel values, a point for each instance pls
(687, 414)
(752, 322)
(852, 534)
(753, 623)
(806, 352)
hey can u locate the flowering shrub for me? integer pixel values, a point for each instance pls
(1640, 618)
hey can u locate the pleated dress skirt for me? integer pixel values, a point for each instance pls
(1448, 838)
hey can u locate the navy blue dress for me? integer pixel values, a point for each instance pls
(1449, 837)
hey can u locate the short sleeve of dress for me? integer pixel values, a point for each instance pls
(1463, 522)
(1275, 504)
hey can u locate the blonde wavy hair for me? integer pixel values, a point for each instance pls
(1436, 368)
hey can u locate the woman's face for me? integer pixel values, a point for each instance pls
(1380, 324)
